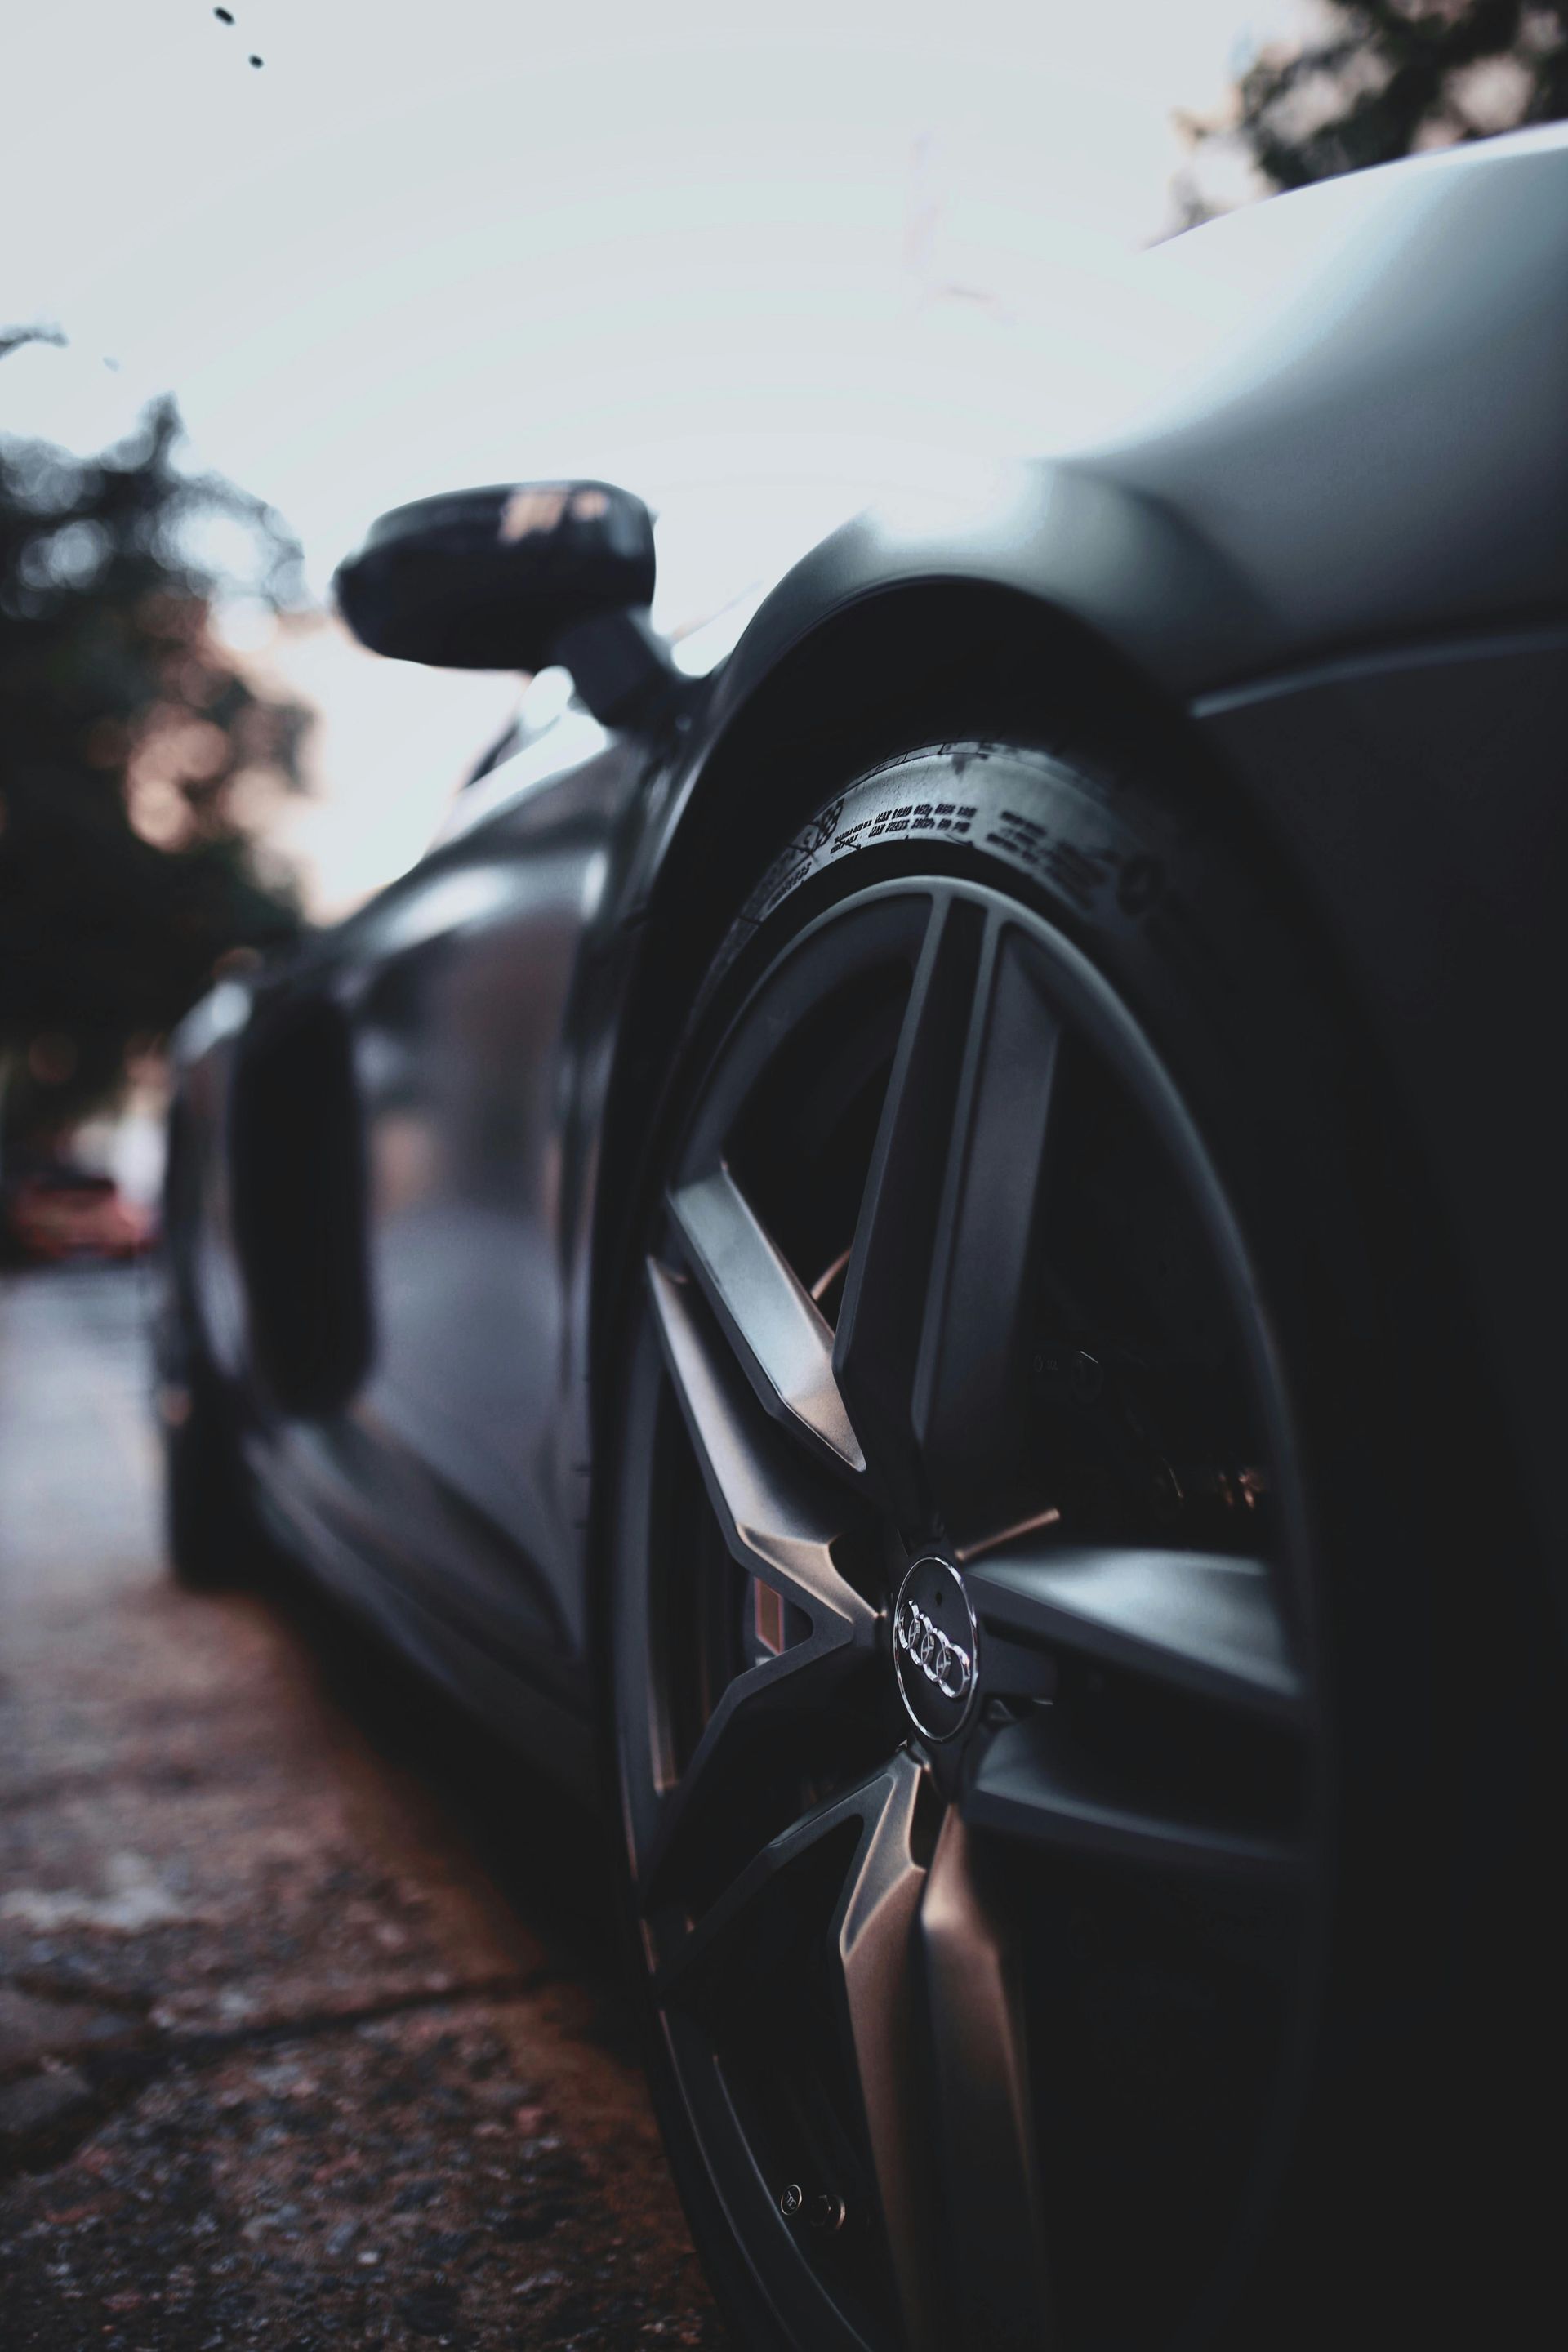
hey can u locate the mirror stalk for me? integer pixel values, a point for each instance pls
(622, 669)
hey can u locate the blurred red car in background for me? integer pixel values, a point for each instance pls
(68, 1213)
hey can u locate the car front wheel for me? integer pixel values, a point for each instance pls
(995, 1492)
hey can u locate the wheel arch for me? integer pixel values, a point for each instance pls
(897, 665)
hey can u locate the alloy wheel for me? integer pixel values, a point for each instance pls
(969, 1745)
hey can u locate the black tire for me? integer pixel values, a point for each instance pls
(213, 1541)
(1327, 2057)
(211, 1534)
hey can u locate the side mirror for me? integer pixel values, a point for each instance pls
(517, 577)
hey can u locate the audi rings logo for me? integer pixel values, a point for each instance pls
(936, 1648)
(939, 1659)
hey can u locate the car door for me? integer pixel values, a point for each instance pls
(453, 1463)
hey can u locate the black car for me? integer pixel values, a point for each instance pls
(932, 1265)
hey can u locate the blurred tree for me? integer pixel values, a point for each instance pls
(134, 759)
(1385, 79)
(1390, 76)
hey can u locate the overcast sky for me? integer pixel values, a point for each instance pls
(750, 261)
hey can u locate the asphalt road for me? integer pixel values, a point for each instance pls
(309, 2027)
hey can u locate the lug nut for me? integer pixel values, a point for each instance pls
(824, 2212)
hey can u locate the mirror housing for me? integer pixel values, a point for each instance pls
(515, 577)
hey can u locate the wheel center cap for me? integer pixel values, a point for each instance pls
(936, 1648)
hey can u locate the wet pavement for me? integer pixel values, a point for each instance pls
(310, 2029)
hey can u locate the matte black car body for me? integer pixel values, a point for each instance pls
(1330, 571)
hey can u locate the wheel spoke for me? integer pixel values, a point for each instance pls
(985, 2109)
(778, 1529)
(971, 1384)
(931, 1334)
(874, 1933)
(1035, 1782)
(791, 1688)
(876, 1350)
(687, 1952)
(779, 1333)
(1204, 1622)
(776, 1522)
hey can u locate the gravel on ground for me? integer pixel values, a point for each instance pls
(309, 2026)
